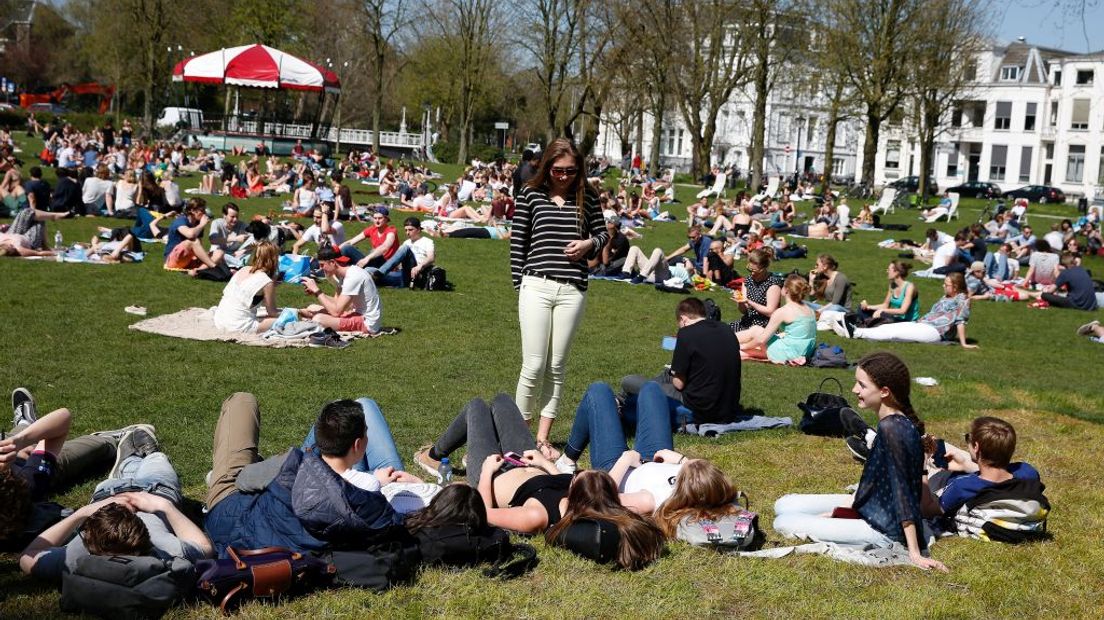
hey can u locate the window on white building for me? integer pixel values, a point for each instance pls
(1100, 168)
(998, 158)
(1029, 117)
(1079, 118)
(1053, 113)
(1048, 150)
(681, 133)
(810, 129)
(837, 166)
(1003, 118)
(670, 141)
(1057, 77)
(1025, 164)
(1009, 73)
(893, 154)
(956, 115)
(1085, 77)
(1075, 163)
(952, 164)
(970, 72)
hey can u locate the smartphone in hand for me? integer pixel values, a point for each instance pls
(514, 459)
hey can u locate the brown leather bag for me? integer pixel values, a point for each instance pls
(271, 573)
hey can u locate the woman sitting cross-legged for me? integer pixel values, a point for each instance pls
(528, 494)
(790, 336)
(945, 321)
(886, 508)
(653, 478)
(248, 289)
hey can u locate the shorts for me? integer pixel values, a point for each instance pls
(182, 257)
(351, 322)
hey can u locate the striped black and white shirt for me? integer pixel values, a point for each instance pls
(541, 230)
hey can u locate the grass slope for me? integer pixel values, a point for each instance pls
(67, 340)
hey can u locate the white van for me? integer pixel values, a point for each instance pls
(170, 117)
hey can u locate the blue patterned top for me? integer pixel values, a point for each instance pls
(889, 490)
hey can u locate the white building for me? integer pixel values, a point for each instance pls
(1035, 117)
(796, 130)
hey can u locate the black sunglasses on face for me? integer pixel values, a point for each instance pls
(564, 172)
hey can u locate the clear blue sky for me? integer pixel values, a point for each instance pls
(1051, 23)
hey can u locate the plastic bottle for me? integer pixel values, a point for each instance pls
(58, 247)
(445, 469)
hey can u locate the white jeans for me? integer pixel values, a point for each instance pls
(800, 516)
(549, 313)
(644, 265)
(900, 332)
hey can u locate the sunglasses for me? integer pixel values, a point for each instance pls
(564, 172)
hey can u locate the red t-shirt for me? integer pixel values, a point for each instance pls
(377, 236)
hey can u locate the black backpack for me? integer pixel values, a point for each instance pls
(124, 587)
(460, 546)
(392, 559)
(433, 278)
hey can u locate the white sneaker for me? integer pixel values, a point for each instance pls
(566, 465)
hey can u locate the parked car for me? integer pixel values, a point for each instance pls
(189, 118)
(48, 108)
(977, 189)
(1037, 193)
(912, 185)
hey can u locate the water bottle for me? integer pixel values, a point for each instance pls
(445, 469)
(58, 247)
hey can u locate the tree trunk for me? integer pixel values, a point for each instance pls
(148, 88)
(870, 145)
(700, 162)
(758, 125)
(377, 103)
(829, 150)
(639, 146)
(657, 131)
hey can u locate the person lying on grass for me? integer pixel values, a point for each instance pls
(790, 336)
(946, 321)
(885, 510)
(524, 491)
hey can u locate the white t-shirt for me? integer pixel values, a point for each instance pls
(94, 190)
(421, 248)
(944, 255)
(655, 478)
(314, 233)
(1055, 240)
(366, 302)
(404, 497)
(941, 238)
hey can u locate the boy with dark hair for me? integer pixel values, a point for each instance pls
(703, 381)
(134, 512)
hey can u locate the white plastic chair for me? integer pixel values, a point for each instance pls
(772, 189)
(951, 212)
(885, 202)
(718, 188)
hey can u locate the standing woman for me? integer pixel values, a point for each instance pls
(557, 225)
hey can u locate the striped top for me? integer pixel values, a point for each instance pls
(541, 230)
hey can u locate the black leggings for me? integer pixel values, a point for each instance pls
(486, 429)
(475, 232)
(1058, 301)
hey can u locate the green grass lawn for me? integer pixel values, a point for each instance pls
(67, 340)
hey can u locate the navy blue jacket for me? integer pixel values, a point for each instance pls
(307, 507)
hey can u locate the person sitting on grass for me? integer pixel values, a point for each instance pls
(31, 223)
(228, 235)
(529, 494)
(1042, 266)
(414, 256)
(790, 336)
(184, 249)
(1078, 284)
(248, 289)
(885, 510)
(134, 512)
(356, 306)
(837, 288)
(946, 321)
(308, 505)
(986, 464)
(381, 234)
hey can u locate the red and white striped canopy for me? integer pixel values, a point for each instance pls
(258, 66)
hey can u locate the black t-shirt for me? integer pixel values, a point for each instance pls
(522, 174)
(108, 136)
(41, 191)
(67, 196)
(1079, 285)
(707, 357)
(619, 247)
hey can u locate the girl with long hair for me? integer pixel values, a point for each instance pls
(885, 509)
(247, 290)
(790, 335)
(557, 225)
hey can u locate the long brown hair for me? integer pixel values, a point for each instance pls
(888, 371)
(702, 491)
(266, 258)
(593, 495)
(557, 149)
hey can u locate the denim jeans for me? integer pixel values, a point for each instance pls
(486, 429)
(152, 473)
(404, 258)
(381, 451)
(801, 516)
(631, 385)
(598, 424)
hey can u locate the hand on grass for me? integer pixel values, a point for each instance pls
(924, 563)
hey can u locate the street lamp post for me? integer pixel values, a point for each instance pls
(801, 120)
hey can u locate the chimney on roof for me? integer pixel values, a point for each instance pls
(1021, 39)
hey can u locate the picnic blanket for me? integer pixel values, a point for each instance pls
(750, 423)
(864, 555)
(198, 324)
(89, 259)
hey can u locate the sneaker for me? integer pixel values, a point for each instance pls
(327, 339)
(119, 433)
(858, 448)
(566, 465)
(137, 442)
(853, 423)
(1087, 328)
(638, 279)
(430, 465)
(24, 410)
(839, 326)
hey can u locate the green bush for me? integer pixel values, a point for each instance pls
(446, 152)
